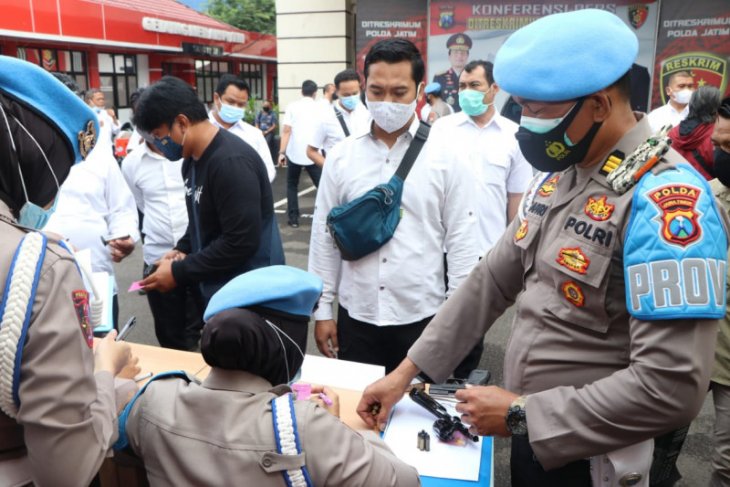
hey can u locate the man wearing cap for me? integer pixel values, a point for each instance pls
(485, 140)
(458, 46)
(617, 261)
(57, 398)
(232, 427)
(435, 107)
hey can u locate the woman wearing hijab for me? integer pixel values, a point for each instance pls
(57, 396)
(236, 427)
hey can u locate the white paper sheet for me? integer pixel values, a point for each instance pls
(339, 373)
(443, 460)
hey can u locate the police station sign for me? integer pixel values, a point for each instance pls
(191, 30)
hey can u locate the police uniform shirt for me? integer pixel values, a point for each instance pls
(329, 132)
(301, 116)
(499, 168)
(597, 378)
(253, 137)
(403, 281)
(159, 191)
(266, 120)
(449, 81)
(666, 115)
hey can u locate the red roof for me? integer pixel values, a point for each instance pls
(167, 9)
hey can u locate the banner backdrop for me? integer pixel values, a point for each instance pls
(488, 23)
(693, 36)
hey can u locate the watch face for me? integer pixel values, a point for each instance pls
(517, 420)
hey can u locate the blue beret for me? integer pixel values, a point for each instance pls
(565, 56)
(433, 87)
(278, 287)
(41, 92)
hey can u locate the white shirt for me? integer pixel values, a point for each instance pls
(494, 157)
(666, 115)
(301, 116)
(107, 128)
(403, 281)
(329, 131)
(158, 189)
(253, 137)
(95, 202)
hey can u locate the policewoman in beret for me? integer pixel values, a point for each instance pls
(241, 426)
(459, 46)
(57, 400)
(617, 262)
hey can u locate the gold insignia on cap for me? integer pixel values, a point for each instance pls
(87, 139)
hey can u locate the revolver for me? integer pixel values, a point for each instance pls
(445, 426)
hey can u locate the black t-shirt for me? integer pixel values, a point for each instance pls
(231, 225)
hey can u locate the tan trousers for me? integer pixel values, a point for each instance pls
(721, 453)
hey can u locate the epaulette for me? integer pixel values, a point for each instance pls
(623, 173)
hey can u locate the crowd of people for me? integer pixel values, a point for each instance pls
(606, 227)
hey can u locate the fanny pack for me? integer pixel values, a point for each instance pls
(365, 224)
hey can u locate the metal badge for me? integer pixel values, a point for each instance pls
(87, 139)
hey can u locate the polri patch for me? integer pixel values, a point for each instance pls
(80, 298)
(678, 218)
(573, 259)
(521, 231)
(574, 294)
(599, 209)
(549, 186)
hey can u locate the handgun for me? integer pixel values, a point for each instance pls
(445, 426)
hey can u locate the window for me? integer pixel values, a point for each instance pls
(207, 75)
(72, 63)
(118, 78)
(253, 74)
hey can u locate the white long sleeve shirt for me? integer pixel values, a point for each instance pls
(253, 137)
(159, 191)
(95, 202)
(666, 115)
(403, 281)
(329, 131)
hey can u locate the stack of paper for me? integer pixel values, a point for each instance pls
(340, 373)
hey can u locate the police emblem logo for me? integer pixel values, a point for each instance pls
(679, 220)
(521, 231)
(573, 293)
(549, 186)
(599, 209)
(637, 15)
(80, 298)
(556, 150)
(706, 69)
(87, 139)
(573, 259)
(446, 17)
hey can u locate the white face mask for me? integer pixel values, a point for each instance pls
(391, 116)
(682, 96)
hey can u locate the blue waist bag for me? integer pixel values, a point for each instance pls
(365, 224)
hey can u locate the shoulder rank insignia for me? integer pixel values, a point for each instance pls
(612, 162)
(521, 231)
(574, 294)
(599, 209)
(678, 217)
(628, 172)
(549, 186)
(573, 259)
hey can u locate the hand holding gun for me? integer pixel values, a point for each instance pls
(445, 426)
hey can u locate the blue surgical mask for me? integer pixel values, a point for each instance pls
(230, 113)
(472, 102)
(542, 125)
(350, 102)
(34, 216)
(169, 148)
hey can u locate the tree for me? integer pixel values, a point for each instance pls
(252, 15)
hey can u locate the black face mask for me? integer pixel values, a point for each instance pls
(267, 109)
(722, 166)
(550, 151)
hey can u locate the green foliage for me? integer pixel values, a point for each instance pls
(252, 15)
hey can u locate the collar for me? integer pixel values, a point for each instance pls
(149, 152)
(6, 214)
(464, 118)
(678, 112)
(215, 122)
(235, 380)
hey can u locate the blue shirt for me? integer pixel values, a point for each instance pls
(266, 120)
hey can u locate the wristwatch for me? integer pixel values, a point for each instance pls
(516, 418)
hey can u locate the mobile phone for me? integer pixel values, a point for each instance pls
(126, 329)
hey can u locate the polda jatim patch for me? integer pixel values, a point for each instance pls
(573, 259)
(573, 293)
(599, 209)
(521, 231)
(549, 186)
(679, 220)
(80, 298)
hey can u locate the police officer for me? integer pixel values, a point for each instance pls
(57, 401)
(619, 278)
(234, 426)
(458, 46)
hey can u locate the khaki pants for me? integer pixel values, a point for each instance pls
(721, 454)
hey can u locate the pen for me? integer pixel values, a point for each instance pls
(324, 397)
(126, 329)
(142, 377)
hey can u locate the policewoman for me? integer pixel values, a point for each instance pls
(617, 261)
(57, 401)
(236, 428)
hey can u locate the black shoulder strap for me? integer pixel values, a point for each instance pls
(341, 119)
(413, 150)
